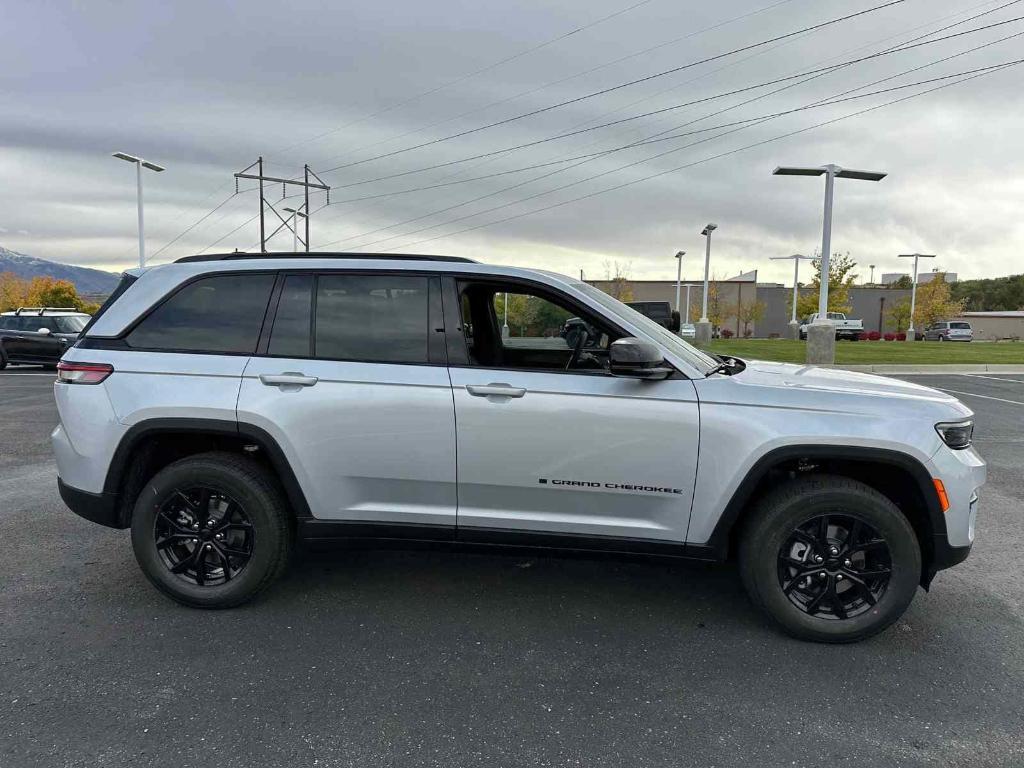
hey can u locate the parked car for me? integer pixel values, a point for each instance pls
(845, 328)
(38, 335)
(949, 330)
(688, 330)
(660, 312)
(222, 406)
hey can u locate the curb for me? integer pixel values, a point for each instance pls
(930, 369)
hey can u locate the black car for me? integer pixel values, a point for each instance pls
(38, 335)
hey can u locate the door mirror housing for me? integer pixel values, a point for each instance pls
(43, 331)
(637, 359)
(676, 323)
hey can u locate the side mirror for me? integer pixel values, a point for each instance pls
(676, 323)
(43, 331)
(637, 359)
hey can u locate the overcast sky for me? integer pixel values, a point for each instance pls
(205, 87)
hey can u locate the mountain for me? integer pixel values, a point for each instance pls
(87, 281)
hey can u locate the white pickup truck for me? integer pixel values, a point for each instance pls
(845, 329)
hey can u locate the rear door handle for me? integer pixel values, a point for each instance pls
(286, 379)
(494, 390)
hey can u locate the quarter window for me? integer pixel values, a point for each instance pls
(216, 314)
(291, 334)
(372, 318)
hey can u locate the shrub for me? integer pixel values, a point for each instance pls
(726, 333)
(874, 336)
(901, 336)
(862, 336)
(889, 337)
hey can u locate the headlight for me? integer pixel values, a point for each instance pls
(957, 435)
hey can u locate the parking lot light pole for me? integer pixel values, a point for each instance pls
(688, 286)
(911, 333)
(679, 274)
(821, 335)
(703, 330)
(295, 222)
(794, 326)
(504, 328)
(139, 165)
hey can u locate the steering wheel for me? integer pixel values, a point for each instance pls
(581, 341)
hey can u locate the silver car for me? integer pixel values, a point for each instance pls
(222, 407)
(949, 330)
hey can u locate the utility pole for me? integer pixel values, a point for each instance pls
(139, 165)
(911, 333)
(303, 210)
(821, 335)
(794, 326)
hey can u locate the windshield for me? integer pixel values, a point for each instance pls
(699, 360)
(70, 323)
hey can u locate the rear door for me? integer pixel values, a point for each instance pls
(549, 446)
(351, 381)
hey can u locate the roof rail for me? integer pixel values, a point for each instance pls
(324, 255)
(40, 310)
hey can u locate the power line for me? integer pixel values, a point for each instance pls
(194, 224)
(724, 94)
(471, 75)
(610, 89)
(699, 162)
(743, 124)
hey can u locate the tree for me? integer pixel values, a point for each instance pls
(13, 292)
(716, 307)
(899, 314)
(840, 279)
(991, 294)
(904, 282)
(935, 302)
(40, 292)
(617, 276)
(750, 312)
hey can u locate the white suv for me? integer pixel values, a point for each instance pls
(223, 406)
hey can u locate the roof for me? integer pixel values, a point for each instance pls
(997, 313)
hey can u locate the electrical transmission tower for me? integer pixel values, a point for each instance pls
(265, 203)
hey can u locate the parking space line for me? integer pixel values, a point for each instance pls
(994, 378)
(983, 397)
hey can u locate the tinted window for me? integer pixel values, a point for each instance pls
(6, 323)
(33, 323)
(961, 326)
(215, 314)
(70, 323)
(377, 318)
(290, 336)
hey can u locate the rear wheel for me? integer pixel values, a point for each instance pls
(211, 531)
(3, 359)
(830, 559)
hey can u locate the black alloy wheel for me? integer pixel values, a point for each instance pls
(203, 536)
(834, 566)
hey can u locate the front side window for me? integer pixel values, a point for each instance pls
(221, 314)
(372, 318)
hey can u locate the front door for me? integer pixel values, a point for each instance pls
(548, 441)
(352, 384)
(31, 344)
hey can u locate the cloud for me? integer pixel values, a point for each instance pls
(204, 90)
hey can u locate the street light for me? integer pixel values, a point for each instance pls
(139, 165)
(797, 258)
(688, 286)
(824, 350)
(679, 274)
(872, 281)
(708, 229)
(911, 333)
(295, 227)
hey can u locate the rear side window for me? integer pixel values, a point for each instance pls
(290, 336)
(373, 318)
(215, 314)
(961, 326)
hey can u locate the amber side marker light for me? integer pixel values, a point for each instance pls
(83, 373)
(940, 489)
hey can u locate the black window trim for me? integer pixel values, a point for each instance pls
(458, 350)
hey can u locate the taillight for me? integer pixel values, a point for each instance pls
(83, 373)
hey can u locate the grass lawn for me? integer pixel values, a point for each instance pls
(872, 352)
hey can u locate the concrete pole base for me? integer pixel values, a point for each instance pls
(794, 329)
(702, 331)
(911, 336)
(821, 344)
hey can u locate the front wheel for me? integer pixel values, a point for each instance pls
(830, 559)
(211, 531)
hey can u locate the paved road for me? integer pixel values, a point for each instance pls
(410, 659)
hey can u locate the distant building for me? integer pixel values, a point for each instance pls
(992, 326)
(923, 277)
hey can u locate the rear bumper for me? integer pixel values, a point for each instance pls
(95, 507)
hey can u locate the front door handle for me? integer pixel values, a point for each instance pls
(288, 379)
(494, 390)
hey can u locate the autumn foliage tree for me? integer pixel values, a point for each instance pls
(40, 292)
(841, 277)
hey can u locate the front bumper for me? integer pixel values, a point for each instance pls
(99, 508)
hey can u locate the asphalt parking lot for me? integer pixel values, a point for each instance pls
(426, 658)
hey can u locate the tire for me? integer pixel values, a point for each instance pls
(781, 521)
(3, 359)
(257, 530)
